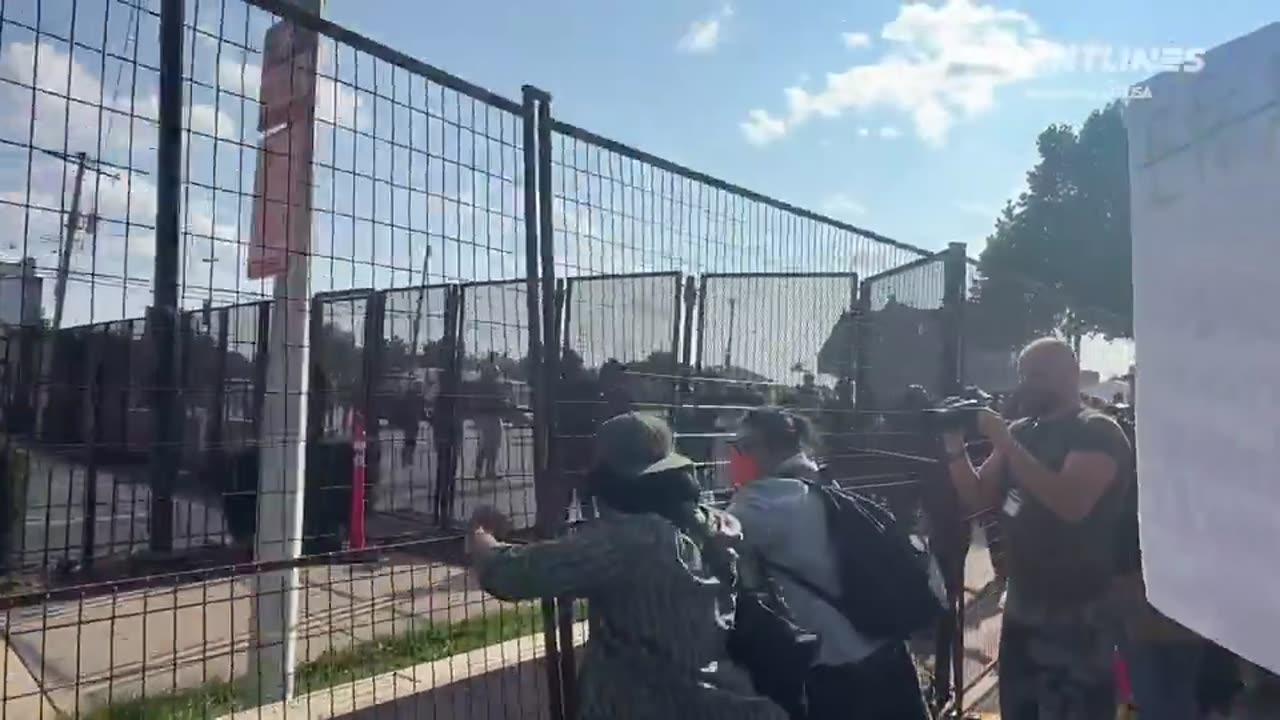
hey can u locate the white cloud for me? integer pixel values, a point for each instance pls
(841, 205)
(856, 40)
(71, 93)
(761, 128)
(864, 131)
(889, 132)
(703, 35)
(943, 62)
(336, 104)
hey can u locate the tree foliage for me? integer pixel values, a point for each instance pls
(1060, 258)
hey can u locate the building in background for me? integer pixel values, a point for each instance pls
(20, 320)
(20, 293)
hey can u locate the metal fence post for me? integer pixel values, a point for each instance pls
(218, 411)
(690, 307)
(166, 434)
(551, 364)
(864, 335)
(96, 376)
(541, 377)
(374, 341)
(955, 270)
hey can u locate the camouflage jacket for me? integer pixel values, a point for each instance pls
(658, 618)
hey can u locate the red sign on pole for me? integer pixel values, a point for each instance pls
(282, 185)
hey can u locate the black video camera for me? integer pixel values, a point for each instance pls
(958, 413)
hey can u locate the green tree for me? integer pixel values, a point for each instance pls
(1060, 257)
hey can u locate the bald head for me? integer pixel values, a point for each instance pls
(1051, 351)
(1049, 376)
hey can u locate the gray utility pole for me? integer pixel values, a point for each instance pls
(65, 243)
(64, 248)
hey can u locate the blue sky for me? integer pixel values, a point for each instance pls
(917, 121)
(621, 69)
(680, 79)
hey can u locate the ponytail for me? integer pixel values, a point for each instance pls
(782, 431)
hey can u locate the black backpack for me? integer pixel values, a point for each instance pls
(884, 584)
(775, 652)
(765, 640)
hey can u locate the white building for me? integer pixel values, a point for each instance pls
(20, 293)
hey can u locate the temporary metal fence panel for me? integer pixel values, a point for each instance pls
(764, 333)
(415, 178)
(494, 434)
(415, 366)
(244, 374)
(634, 319)
(903, 331)
(613, 208)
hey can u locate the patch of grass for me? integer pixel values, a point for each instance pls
(207, 701)
(433, 642)
(333, 667)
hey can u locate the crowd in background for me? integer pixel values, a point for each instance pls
(672, 582)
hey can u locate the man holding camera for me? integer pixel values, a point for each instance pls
(1057, 477)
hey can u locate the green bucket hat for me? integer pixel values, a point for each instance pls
(633, 445)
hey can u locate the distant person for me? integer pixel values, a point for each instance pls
(785, 529)
(410, 412)
(1059, 477)
(1164, 660)
(838, 421)
(657, 569)
(447, 427)
(491, 404)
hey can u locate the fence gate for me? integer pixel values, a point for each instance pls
(908, 334)
(493, 444)
(766, 332)
(414, 368)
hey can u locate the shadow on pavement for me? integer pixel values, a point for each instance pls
(517, 692)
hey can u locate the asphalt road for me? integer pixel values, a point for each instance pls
(53, 529)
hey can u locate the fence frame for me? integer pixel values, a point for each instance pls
(702, 295)
(548, 311)
(565, 316)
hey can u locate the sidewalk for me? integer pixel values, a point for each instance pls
(506, 681)
(21, 696)
(89, 653)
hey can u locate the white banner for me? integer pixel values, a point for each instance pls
(1205, 184)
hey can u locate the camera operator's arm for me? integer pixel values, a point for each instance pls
(978, 488)
(1087, 472)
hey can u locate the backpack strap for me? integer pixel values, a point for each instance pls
(805, 583)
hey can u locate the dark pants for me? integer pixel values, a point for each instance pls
(1164, 678)
(884, 686)
(1060, 670)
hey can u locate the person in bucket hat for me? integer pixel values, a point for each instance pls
(651, 569)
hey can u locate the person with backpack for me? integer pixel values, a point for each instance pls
(658, 570)
(790, 534)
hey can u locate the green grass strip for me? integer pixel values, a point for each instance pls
(336, 666)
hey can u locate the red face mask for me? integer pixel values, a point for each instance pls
(742, 468)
